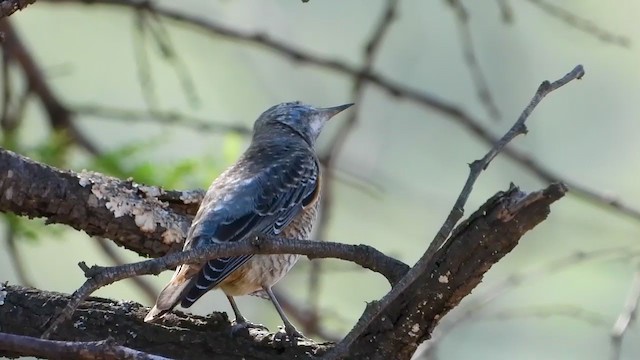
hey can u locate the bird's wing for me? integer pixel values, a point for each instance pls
(241, 202)
(281, 192)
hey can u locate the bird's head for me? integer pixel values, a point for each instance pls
(305, 120)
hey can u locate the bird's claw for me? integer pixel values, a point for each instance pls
(245, 326)
(288, 334)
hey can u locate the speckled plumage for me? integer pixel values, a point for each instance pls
(273, 189)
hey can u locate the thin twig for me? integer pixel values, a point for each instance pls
(552, 310)
(363, 255)
(511, 282)
(14, 253)
(143, 284)
(6, 122)
(468, 49)
(420, 97)
(167, 118)
(519, 128)
(60, 118)
(143, 64)
(167, 49)
(626, 317)
(456, 213)
(506, 11)
(579, 23)
(51, 349)
(329, 159)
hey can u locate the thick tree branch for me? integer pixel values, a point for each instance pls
(395, 329)
(363, 255)
(8, 7)
(127, 213)
(90, 350)
(478, 243)
(24, 311)
(372, 316)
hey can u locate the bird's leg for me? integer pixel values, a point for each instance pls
(239, 318)
(241, 322)
(288, 326)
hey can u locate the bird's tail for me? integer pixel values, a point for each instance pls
(171, 295)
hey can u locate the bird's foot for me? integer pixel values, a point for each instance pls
(244, 327)
(288, 334)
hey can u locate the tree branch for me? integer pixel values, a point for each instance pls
(8, 7)
(363, 255)
(478, 243)
(130, 214)
(373, 316)
(24, 311)
(394, 326)
(104, 349)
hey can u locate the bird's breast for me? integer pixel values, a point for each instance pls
(266, 270)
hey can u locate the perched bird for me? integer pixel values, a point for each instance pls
(273, 189)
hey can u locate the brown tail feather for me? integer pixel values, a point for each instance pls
(171, 295)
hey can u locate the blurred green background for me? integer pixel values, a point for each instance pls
(408, 163)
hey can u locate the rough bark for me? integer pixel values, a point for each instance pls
(144, 219)
(25, 311)
(95, 202)
(455, 270)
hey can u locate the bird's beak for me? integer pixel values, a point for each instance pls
(333, 111)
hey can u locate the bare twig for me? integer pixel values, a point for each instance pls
(107, 249)
(14, 254)
(477, 75)
(553, 310)
(479, 165)
(626, 317)
(167, 118)
(420, 97)
(60, 118)
(8, 7)
(579, 23)
(505, 11)
(143, 65)
(582, 192)
(363, 255)
(371, 50)
(471, 310)
(30, 346)
(456, 213)
(7, 123)
(167, 49)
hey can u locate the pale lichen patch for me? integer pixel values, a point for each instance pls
(443, 279)
(415, 330)
(171, 236)
(84, 178)
(145, 222)
(3, 293)
(137, 201)
(191, 196)
(151, 191)
(9, 174)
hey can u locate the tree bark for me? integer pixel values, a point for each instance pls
(145, 219)
(140, 217)
(26, 311)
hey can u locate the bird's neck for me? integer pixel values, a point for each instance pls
(279, 133)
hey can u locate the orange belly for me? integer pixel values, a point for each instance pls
(265, 270)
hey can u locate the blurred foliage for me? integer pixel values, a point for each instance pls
(586, 132)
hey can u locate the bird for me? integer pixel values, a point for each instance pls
(274, 190)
